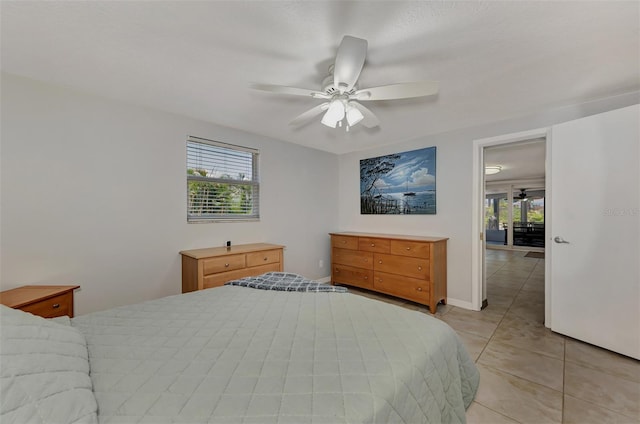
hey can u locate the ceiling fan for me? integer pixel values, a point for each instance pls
(342, 95)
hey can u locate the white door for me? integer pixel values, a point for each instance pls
(595, 230)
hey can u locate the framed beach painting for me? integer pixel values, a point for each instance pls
(399, 184)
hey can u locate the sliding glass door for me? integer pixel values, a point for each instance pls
(528, 218)
(516, 219)
(496, 219)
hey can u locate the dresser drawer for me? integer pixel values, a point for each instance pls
(352, 276)
(344, 242)
(223, 263)
(214, 266)
(410, 248)
(405, 287)
(217, 280)
(52, 307)
(368, 244)
(353, 258)
(263, 258)
(400, 265)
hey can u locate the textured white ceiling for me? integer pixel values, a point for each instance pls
(494, 60)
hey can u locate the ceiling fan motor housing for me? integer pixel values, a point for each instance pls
(329, 87)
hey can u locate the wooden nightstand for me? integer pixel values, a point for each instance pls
(44, 301)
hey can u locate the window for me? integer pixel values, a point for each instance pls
(222, 181)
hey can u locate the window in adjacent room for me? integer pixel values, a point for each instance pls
(222, 181)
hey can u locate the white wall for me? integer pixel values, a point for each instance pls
(93, 192)
(454, 186)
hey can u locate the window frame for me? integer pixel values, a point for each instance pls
(254, 183)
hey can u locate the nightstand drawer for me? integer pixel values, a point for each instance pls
(45, 301)
(52, 307)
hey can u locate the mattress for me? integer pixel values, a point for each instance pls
(241, 355)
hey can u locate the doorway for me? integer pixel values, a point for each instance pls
(514, 199)
(510, 205)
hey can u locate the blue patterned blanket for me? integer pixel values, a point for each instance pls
(285, 281)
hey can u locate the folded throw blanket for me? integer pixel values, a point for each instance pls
(285, 281)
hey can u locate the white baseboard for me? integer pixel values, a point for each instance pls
(324, 279)
(460, 303)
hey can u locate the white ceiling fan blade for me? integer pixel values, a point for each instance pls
(311, 113)
(397, 91)
(281, 89)
(349, 62)
(370, 120)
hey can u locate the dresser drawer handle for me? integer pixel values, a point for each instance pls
(366, 278)
(56, 305)
(373, 245)
(344, 242)
(419, 289)
(226, 265)
(337, 271)
(380, 261)
(408, 248)
(265, 258)
(419, 268)
(379, 280)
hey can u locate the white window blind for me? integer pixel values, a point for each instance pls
(222, 181)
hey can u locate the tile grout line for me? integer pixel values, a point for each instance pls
(491, 338)
(513, 375)
(505, 312)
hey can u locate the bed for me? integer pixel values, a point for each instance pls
(236, 354)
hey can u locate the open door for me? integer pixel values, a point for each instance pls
(594, 239)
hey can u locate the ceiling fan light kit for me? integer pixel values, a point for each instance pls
(334, 114)
(353, 115)
(343, 96)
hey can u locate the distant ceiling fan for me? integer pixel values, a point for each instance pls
(341, 93)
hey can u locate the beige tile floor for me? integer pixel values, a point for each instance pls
(529, 374)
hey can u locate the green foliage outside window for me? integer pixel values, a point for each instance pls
(206, 198)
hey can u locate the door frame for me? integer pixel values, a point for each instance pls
(478, 289)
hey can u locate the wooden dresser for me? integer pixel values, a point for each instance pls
(44, 301)
(212, 267)
(410, 267)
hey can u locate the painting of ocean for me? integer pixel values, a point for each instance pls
(399, 183)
